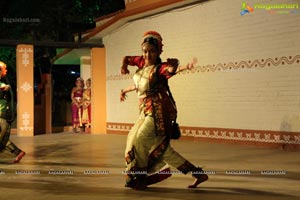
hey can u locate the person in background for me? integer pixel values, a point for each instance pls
(77, 101)
(5, 119)
(86, 113)
(148, 150)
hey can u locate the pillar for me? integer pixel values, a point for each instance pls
(25, 93)
(48, 102)
(98, 98)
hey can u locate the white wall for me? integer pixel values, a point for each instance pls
(85, 67)
(262, 95)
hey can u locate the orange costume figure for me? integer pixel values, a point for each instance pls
(86, 113)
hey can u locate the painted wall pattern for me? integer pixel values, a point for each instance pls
(223, 134)
(231, 66)
(260, 136)
(25, 108)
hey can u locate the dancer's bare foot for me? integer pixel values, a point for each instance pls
(19, 157)
(199, 179)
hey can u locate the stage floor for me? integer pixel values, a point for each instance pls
(59, 166)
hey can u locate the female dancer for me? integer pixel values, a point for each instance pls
(148, 146)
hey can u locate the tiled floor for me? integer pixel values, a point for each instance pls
(76, 155)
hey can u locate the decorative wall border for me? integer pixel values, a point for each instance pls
(250, 64)
(118, 128)
(243, 136)
(231, 66)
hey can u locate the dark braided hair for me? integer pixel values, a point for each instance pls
(152, 41)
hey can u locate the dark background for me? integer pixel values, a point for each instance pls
(58, 20)
(49, 22)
